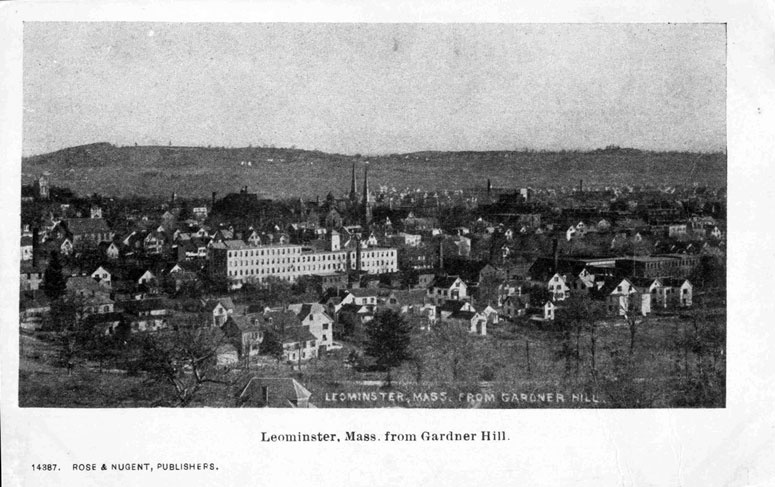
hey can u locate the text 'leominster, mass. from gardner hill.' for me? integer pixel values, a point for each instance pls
(387, 436)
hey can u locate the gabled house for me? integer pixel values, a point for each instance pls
(220, 309)
(285, 392)
(320, 324)
(490, 314)
(254, 238)
(676, 292)
(133, 279)
(245, 334)
(103, 276)
(406, 239)
(83, 229)
(515, 305)
(427, 311)
(362, 297)
(558, 287)
(153, 243)
(84, 286)
(474, 322)
(402, 300)
(146, 314)
(447, 288)
(622, 298)
(97, 304)
(355, 314)
(549, 310)
(448, 308)
(112, 251)
(66, 247)
(581, 284)
(298, 342)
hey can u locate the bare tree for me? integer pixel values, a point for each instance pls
(184, 359)
(577, 315)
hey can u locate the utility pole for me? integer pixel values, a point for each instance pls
(527, 354)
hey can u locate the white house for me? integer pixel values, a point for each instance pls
(558, 287)
(103, 276)
(447, 288)
(320, 324)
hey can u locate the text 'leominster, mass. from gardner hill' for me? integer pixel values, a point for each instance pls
(387, 436)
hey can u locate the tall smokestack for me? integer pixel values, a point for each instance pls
(555, 252)
(35, 248)
(214, 193)
(357, 253)
(441, 255)
(489, 187)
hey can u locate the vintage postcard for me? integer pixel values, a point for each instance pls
(412, 218)
(383, 215)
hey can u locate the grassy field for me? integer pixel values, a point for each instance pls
(481, 372)
(281, 173)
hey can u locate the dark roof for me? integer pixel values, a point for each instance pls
(444, 281)
(138, 305)
(280, 320)
(352, 308)
(364, 292)
(78, 226)
(452, 306)
(409, 296)
(462, 315)
(672, 281)
(281, 392)
(610, 285)
(246, 323)
(643, 281)
(210, 304)
(306, 310)
(468, 270)
(84, 283)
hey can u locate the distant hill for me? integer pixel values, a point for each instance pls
(278, 173)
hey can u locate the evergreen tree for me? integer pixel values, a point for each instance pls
(53, 279)
(388, 339)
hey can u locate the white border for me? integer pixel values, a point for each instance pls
(732, 446)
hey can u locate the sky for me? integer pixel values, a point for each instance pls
(375, 88)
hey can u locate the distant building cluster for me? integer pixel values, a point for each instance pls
(474, 259)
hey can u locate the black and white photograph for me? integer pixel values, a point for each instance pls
(359, 216)
(339, 243)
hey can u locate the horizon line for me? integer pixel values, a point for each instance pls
(292, 147)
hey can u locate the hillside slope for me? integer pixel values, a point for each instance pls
(277, 173)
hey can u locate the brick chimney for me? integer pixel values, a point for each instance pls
(35, 247)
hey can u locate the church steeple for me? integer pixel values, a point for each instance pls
(366, 198)
(353, 190)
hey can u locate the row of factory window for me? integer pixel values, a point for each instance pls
(253, 263)
(260, 252)
(297, 250)
(304, 269)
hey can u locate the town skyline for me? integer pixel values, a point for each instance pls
(495, 87)
(365, 155)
